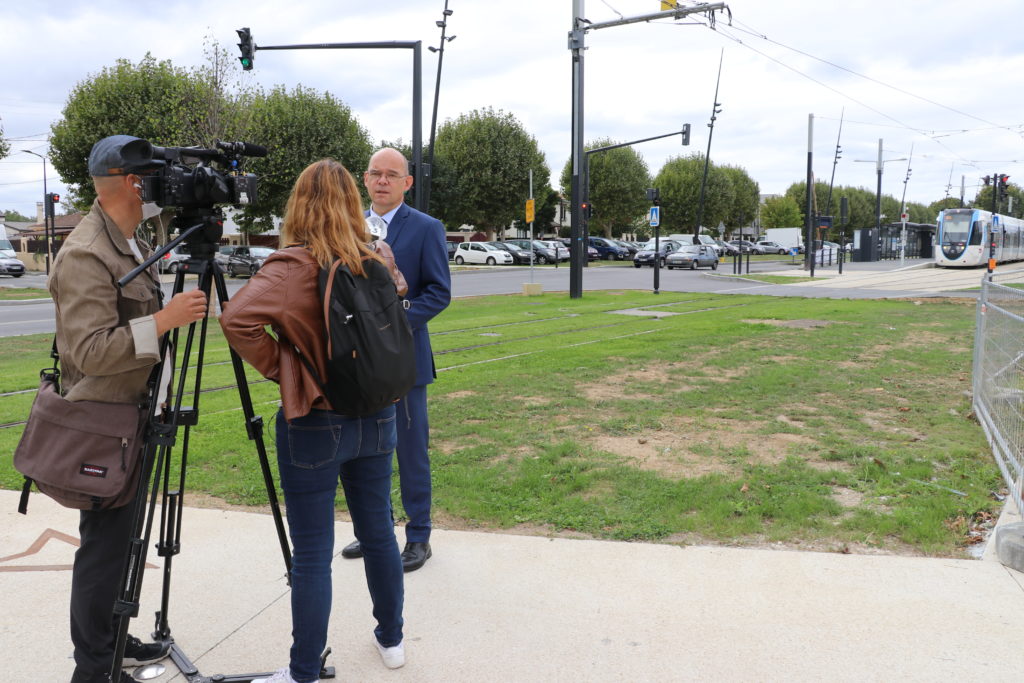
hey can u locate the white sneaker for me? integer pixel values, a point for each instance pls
(282, 675)
(393, 657)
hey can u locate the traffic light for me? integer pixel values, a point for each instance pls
(987, 179)
(586, 209)
(1001, 186)
(686, 134)
(50, 199)
(246, 47)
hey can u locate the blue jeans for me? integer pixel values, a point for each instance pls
(313, 453)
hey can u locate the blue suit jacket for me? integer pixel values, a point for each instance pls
(418, 242)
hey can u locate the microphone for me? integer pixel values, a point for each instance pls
(244, 148)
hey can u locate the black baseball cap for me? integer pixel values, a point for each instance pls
(121, 155)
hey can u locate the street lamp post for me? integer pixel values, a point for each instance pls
(429, 175)
(46, 214)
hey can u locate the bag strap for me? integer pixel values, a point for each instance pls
(23, 500)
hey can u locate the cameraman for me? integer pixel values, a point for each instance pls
(108, 340)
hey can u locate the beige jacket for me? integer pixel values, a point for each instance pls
(284, 294)
(106, 335)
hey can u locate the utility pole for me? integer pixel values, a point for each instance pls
(903, 209)
(48, 214)
(428, 176)
(809, 251)
(707, 157)
(577, 36)
(835, 161)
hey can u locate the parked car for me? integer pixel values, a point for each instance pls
(692, 256)
(747, 247)
(541, 252)
(11, 266)
(608, 249)
(592, 253)
(481, 252)
(772, 247)
(561, 250)
(631, 247)
(170, 261)
(645, 256)
(520, 256)
(726, 249)
(245, 260)
(451, 249)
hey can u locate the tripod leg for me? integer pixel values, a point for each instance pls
(254, 428)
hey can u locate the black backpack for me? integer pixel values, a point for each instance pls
(371, 357)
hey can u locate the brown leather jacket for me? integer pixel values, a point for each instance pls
(284, 294)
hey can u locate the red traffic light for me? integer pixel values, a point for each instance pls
(1003, 179)
(55, 198)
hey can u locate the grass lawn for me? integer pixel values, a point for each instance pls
(813, 423)
(9, 292)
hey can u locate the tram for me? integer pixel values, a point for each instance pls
(965, 236)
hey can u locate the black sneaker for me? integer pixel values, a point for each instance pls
(137, 653)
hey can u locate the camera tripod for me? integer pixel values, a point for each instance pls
(159, 438)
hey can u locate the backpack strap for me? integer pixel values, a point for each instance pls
(328, 288)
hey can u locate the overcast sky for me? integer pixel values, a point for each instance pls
(932, 74)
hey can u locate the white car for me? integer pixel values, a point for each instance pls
(481, 252)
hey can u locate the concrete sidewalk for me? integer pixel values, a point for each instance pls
(494, 607)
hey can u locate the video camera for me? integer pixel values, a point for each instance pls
(197, 178)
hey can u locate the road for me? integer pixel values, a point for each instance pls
(878, 280)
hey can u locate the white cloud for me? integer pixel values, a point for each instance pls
(641, 80)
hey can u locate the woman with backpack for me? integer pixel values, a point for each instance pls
(316, 445)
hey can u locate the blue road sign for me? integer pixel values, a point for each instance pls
(655, 216)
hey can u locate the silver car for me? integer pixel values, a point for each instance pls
(693, 256)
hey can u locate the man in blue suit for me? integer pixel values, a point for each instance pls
(418, 242)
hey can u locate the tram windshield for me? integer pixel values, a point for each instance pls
(955, 227)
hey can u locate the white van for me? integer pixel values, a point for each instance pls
(688, 239)
(6, 248)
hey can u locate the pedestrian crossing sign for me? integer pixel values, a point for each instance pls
(654, 219)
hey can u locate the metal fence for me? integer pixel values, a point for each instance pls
(999, 377)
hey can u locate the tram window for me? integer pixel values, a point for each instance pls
(979, 228)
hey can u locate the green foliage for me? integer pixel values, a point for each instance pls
(946, 203)
(5, 146)
(298, 128)
(746, 197)
(731, 196)
(983, 200)
(781, 212)
(618, 180)
(481, 175)
(13, 215)
(164, 104)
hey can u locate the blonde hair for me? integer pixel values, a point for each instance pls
(325, 214)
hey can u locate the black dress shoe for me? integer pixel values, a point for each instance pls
(415, 556)
(352, 551)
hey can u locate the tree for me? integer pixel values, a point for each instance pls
(298, 128)
(5, 146)
(781, 212)
(481, 172)
(983, 200)
(12, 215)
(152, 100)
(618, 180)
(746, 198)
(945, 203)
(679, 181)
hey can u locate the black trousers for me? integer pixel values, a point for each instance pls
(95, 580)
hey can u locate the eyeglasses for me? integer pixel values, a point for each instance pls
(390, 176)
